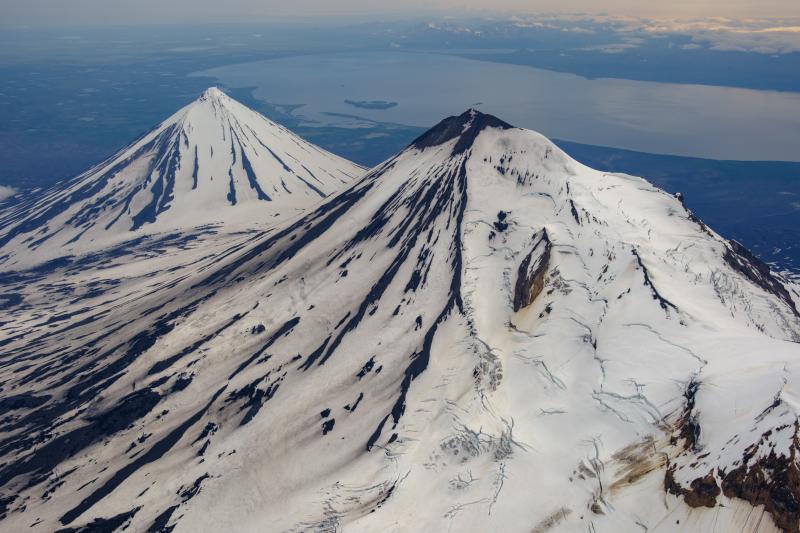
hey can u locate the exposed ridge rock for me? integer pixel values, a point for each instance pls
(465, 127)
(532, 271)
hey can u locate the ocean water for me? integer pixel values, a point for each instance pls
(688, 120)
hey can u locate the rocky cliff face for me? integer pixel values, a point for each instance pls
(532, 271)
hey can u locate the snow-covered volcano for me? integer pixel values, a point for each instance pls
(213, 161)
(480, 334)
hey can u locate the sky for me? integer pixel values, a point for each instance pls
(92, 12)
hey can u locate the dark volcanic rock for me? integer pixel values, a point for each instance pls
(466, 126)
(531, 273)
(743, 261)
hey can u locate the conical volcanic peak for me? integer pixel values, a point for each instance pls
(213, 93)
(465, 126)
(493, 338)
(214, 161)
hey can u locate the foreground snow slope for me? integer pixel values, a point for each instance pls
(214, 161)
(479, 335)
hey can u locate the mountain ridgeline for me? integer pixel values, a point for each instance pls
(213, 162)
(478, 334)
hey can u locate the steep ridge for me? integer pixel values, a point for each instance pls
(214, 161)
(479, 334)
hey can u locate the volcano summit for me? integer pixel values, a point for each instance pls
(479, 334)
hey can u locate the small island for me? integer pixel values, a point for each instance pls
(371, 104)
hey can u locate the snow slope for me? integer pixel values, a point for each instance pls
(6, 192)
(480, 334)
(214, 161)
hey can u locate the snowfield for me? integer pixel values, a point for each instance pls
(6, 192)
(479, 334)
(213, 162)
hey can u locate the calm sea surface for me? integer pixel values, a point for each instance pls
(691, 120)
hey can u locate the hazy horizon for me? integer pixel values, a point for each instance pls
(98, 12)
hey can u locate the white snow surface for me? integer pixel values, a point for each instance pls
(213, 162)
(6, 192)
(361, 366)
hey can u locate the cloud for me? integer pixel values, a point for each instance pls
(763, 36)
(87, 12)
(578, 29)
(614, 48)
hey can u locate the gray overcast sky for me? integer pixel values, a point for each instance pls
(139, 11)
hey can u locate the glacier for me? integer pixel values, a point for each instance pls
(478, 334)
